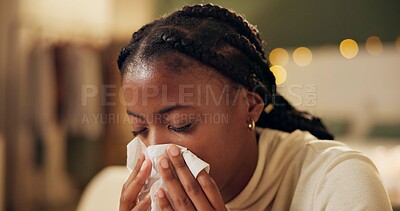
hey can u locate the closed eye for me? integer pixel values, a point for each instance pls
(136, 133)
(180, 129)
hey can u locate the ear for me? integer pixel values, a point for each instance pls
(255, 105)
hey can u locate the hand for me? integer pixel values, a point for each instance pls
(186, 192)
(133, 186)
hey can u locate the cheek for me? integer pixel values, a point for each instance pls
(214, 145)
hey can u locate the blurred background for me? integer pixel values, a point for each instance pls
(61, 115)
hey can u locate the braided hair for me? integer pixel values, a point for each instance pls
(224, 40)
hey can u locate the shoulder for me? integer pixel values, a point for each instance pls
(351, 181)
(332, 176)
(305, 143)
(326, 152)
(303, 148)
(342, 178)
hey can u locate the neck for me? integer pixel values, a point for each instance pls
(244, 172)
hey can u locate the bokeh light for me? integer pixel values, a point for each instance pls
(279, 73)
(279, 56)
(349, 48)
(374, 45)
(302, 56)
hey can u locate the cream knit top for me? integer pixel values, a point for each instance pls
(296, 171)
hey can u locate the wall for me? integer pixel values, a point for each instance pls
(363, 89)
(24, 24)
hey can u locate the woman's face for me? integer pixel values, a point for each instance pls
(191, 105)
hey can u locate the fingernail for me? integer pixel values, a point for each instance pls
(164, 163)
(144, 165)
(174, 150)
(160, 193)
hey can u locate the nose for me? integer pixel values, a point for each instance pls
(155, 137)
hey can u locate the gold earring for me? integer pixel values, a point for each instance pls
(252, 124)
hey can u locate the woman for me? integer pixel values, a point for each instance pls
(199, 78)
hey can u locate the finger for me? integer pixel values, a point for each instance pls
(163, 201)
(189, 183)
(136, 169)
(143, 205)
(130, 192)
(211, 190)
(126, 205)
(179, 198)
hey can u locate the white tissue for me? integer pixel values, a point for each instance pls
(136, 147)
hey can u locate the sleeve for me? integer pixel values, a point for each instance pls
(351, 182)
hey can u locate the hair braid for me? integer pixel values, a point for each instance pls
(206, 55)
(242, 43)
(136, 37)
(287, 117)
(229, 17)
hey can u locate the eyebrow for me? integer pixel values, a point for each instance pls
(165, 110)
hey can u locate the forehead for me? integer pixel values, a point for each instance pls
(173, 80)
(173, 69)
